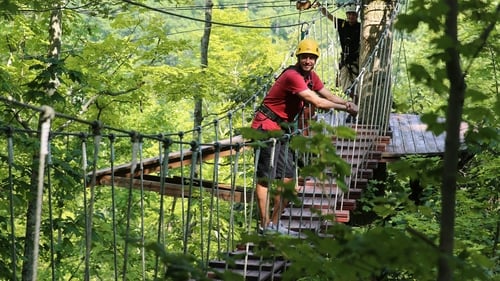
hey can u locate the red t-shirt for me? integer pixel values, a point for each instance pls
(283, 100)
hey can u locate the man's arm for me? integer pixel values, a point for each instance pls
(328, 101)
(327, 94)
(351, 107)
(325, 12)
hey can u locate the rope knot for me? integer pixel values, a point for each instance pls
(96, 127)
(9, 131)
(217, 146)
(167, 142)
(194, 145)
(135, 136)
(83, 136)
(47, 112)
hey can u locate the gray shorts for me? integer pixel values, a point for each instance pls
(282, 166)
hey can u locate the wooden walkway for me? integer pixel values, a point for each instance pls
(408, 136)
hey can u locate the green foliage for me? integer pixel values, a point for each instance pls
(326, 163)
(132, 68)
(425, 22)
(177, 266)
(477, 210)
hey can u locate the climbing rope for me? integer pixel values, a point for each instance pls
(46, 117)
(112, 138)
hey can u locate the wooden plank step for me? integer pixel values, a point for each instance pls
(300, 224)
(380, 147)
(250, 275)
(365, 163)
(251, 264)
(309, 191)
(355, 189)
(358, 138)
(357, 185)
(307, 213)
(319, 203)
(353, 144)
(356, 182)
(360, 153)
(342, 216)
(316, 182)
(241, 253)
(370, 164)
(358, 160)
(313, 214)
(353, 150)
(363, 173)
(362, 126)
(384, 139)
(354, 193)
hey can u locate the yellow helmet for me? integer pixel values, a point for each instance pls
(307, 46)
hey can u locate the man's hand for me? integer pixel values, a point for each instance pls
(303, 5)
(306, 4)
(351, 108)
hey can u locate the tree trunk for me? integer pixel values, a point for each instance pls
(55, 36)
(374, 100)
(29, 246)
(453, 120)
(198, 110)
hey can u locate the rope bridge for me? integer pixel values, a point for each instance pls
(85, 207)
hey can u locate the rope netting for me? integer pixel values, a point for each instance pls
(85, 207)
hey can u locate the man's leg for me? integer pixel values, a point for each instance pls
(344, 79)
(280, 204)
(262, 194)
(353, 74)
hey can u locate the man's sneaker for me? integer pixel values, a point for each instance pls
(280, 229)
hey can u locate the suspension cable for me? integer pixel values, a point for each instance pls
(112, 139)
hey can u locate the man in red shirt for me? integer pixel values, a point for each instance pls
(295, 87)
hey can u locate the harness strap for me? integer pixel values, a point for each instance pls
(273, 116)
(270, 114)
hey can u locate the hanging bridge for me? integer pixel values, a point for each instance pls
(190, 192)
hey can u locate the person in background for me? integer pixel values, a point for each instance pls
(349, 31)
(285, 101)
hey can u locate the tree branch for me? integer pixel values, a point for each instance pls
(484, 37)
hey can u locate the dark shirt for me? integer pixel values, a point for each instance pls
(349, 40)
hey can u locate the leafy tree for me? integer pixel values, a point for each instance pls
(134, 67)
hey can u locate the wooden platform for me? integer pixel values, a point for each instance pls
(410, 137)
